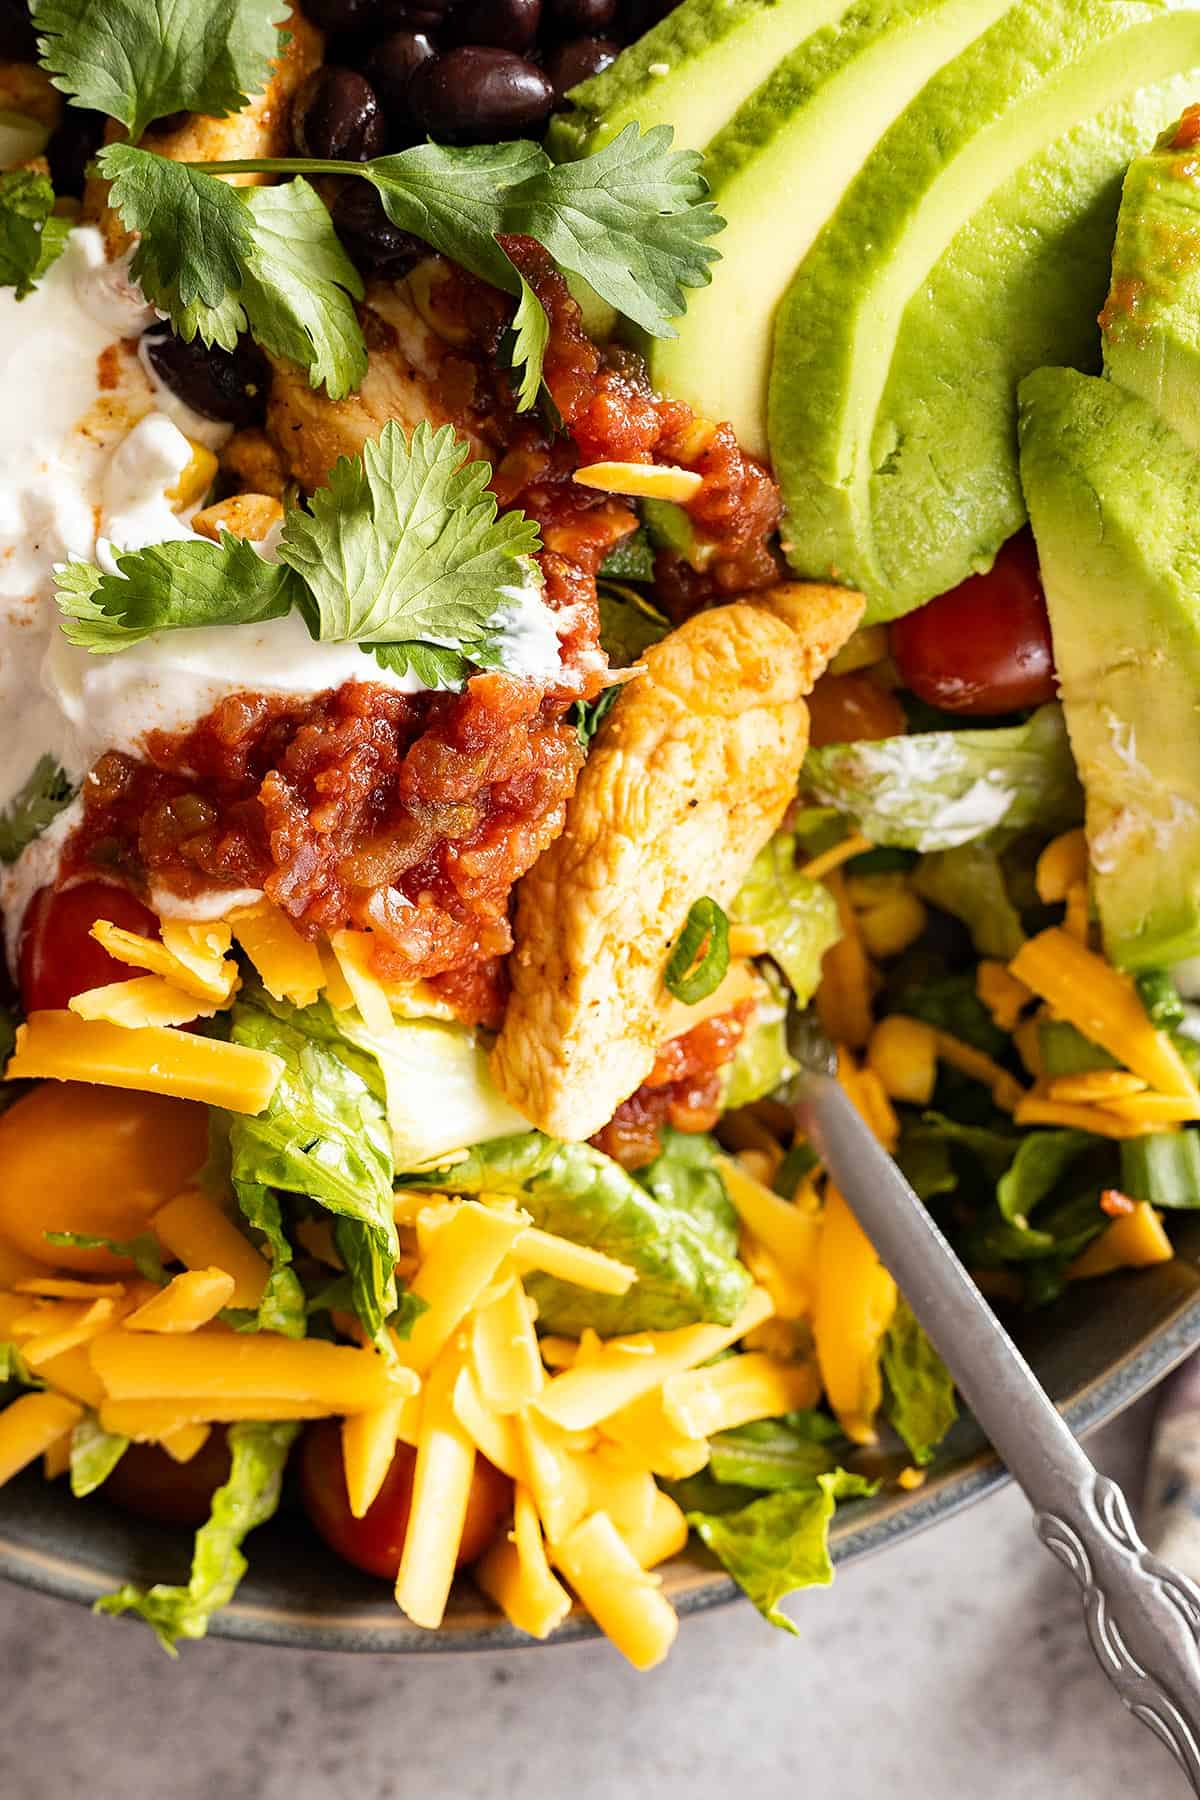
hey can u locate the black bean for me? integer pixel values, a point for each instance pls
(372, 242)
(231, 386)
(501, 24)
(72, 146)
(391, 66)
(576, 61)
(376, 16)
(587, 18)
(18, 39)
(638, 16)
(474, 95)
(336, 113)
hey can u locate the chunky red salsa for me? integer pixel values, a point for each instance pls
(683, 1089)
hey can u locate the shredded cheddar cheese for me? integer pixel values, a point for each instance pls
(193, 1228)
(626, 1602)
(186, 1303)
(29, 1426)
(58, 1046)
(288, 966)
(146, 1000)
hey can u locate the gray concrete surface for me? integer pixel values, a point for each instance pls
(952, 1666)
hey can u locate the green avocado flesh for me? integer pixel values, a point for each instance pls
(690, 72)
(777, 172)
(1114, 495)
(970, 249)
(1151, 320)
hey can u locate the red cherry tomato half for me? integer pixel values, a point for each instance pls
(58, 959)
(152, 1485)
(846, 709)
(376, 1541)
(985, 646)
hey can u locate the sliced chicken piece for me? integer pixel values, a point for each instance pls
(261, 129)
(690, 774)
(412, 374)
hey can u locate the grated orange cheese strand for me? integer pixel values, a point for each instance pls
(856, 1298)
(664, 1535)
(193, 1228)
(71, 1373)
(1103, 1004)
(642, 1436)
(91, 1320)
(185, 1443)
(1004, 996)
(187, 1302)
(553, 1474)
(178, 958)
(1134, 1241)
(369, 1442)
(843, 999)
(58, 1046)
(65, 1287)
(30, 1426)
(493, 1434)
(790, 1233)
(818, 867)
(146, 1000)
(626, 1602)
(1007, 1091)
(1153, 1109)
(1100, 1085)
(1038, 1109)
(504, 1350)
(577, 1263)
(736, 1392)
(218, 1364)
(461, 1262)
(517, 1576)
(649, 481)
(625, 1368)
(288, 966)
(56, 1458)
(441, 1488)
(154, 1421)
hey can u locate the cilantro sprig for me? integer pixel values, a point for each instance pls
(31, 237)
(631, 220)
(140, 60)
(402, 553)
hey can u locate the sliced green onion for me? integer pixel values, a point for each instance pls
(705, 921)
(1163, 1168)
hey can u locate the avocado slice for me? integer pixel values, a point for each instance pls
(1114, 495)
(692, 71)
(1151, 320)
(971, 249)
(777, 171)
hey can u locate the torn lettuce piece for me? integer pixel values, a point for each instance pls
(1041, 1161)
(249, 1498)
(439, 1090)
(143, 1251)
(762, 1062)
(919, 1402)
(797, 916)
(683, 1177)
(968, 882)
(324, 1136)
(685, 1272)
(935, 790)
(776, 1453)
(95, 1453)
(778, 1544)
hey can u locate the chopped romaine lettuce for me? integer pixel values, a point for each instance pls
(937, 789)
(683, 1177)
(920, 1401)
(775, 1453)
(780, 1543)
(685, 1271)
(628, 624)
(1163, 1168)
(762, 1062)
(797, 916)
(950, 1003)
(143, 1251)
(95, 1453)
(1041, 1161)
(324, 1135)
(969, 883)
(439, 1089)
(248, 1499)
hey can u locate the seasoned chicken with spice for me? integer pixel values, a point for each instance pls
(690, 774)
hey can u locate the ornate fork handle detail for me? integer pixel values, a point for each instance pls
(1142, 1618)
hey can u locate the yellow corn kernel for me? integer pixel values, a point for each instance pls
(249, 516)
(648, 481)
(890, 928)
(195, 479)
(910, 1479)
(1131, 1242)
(1004, 996)
(1062, 864)
(868, 646)
(903, 1054)
(747, 940)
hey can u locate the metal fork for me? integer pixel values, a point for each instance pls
(1142, 1617)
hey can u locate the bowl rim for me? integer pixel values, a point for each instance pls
(694, 1588)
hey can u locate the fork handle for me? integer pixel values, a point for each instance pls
(1143, 1617)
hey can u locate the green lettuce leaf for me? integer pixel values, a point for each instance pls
(797, 916)
(778, 1544)
(630, 560)
(324, 1136)
(578, 1193)
(1041, 1161)
(629, 625)
(1163, 1168)
(920, 1402)
(683, 1177)
(762, 1062)
(249, 1498)
(13, 1367)
(34, 806)
(95, 1453)
(439, 1088)
(968, 882)
(31, 235)
(938, 789)
(775, 1453)
(143, 1251)
(950, 1003)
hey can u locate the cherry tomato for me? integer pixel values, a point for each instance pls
(985, 646)
(94, 1160)
(842, 709)
(376, 1541)
(153, 1485)
(58, 959)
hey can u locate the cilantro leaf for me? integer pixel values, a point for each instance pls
(630, 219)
(404, 544)
(169, 587)
(300, 285)
(139, 60)
(454, 198)
(35, 806)
(30, 236)
(195, 239)
(531, 334)
(143, 1250)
